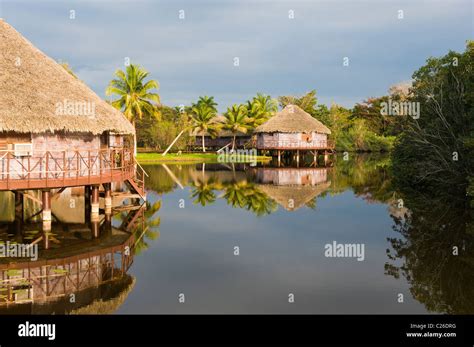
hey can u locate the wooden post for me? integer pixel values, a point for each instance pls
(279, 158)
(87, 203)
(95, 211)
(46, 216)
(297, 158)
(95, 199)
(18, 206)
(108, 198)
(326, 158)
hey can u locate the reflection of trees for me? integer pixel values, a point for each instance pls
(146, 229)
(246, 195)
(238, 194)
(367, 175)
(443, 282)
(258, 202)
(235, 194)
(203, 191)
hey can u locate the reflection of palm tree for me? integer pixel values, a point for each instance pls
(203, 192)
(246, 195)
(148, 230)
(235, 194)
(259, 202)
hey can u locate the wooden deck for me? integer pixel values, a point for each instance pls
(56, 169)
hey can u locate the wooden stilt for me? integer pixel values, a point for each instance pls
(108, 198)
(297, 157)
(95, 211)
(46, 216)
(87, 203)
(95, 199)
(279, 158)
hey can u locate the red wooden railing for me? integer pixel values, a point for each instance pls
(65, 168)
(291, 144)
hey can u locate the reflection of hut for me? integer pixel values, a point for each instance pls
(94, 271)
(223, 138)
(292, 129)
(292, 188)
(292, 176)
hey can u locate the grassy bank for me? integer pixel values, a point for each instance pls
(157, 158)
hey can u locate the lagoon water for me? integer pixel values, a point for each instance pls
(240, 239)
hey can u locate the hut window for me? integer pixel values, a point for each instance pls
(22, 149)
(306, 137)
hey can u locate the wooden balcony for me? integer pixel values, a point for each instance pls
(296, 145)
(56, 169)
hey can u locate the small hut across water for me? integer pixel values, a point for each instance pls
(295, 131)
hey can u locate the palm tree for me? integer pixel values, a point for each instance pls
(236, 121)
(261, 108)
(202, 121)
(207, 101)
(135, 95)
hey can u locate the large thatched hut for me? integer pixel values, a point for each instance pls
(293, 130)
(55, 132)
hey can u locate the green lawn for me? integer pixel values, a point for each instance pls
(151, 158)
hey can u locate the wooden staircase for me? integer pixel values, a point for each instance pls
(133, 216)
(137, 183)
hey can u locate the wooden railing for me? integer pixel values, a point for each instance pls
(291, 144)
(64, 168)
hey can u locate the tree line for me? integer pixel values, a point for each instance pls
(435, 146)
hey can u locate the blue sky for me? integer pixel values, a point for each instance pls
(277, 55)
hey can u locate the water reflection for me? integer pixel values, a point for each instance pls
(418, 250)
(280, 217)
(82, 261)
(435, 252)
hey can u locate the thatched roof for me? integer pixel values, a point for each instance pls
(292, 119)
(110, 305)
(299, 194)
(33, 86)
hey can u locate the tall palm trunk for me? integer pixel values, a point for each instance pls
(203, 146)
(233, 143)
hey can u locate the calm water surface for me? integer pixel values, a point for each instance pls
(208, 211)
(279, 220)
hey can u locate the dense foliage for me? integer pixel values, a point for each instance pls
(437, 150)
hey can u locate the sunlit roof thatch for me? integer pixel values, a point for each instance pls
(292, 119)
(32, 85)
